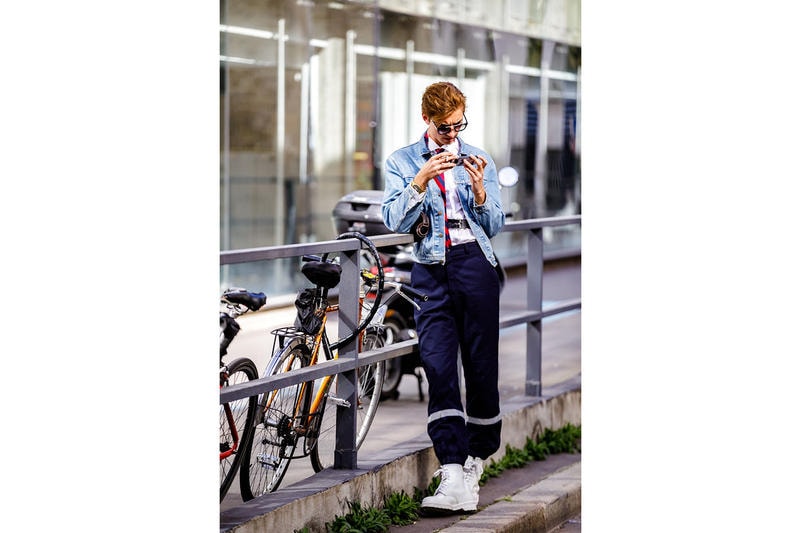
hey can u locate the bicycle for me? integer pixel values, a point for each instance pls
(377, 334)
(306, 412)
(236, 419)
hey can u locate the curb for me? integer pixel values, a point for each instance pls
(318, 499)
(539, 508)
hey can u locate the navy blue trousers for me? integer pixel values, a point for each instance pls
(462, 311)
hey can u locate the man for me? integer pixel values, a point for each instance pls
(454, 266)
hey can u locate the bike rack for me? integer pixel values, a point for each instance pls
(345, 455)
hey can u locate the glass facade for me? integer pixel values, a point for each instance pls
(315, 95)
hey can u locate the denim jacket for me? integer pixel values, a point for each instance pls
(401, 208)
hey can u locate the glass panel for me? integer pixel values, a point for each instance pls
(347, 102)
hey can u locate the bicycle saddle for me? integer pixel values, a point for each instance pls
(326, 275)
(253, 300)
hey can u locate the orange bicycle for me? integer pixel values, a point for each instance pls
(298, 421)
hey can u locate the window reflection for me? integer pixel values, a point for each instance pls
(314, 95)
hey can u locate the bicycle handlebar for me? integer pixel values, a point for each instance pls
(414, 293)
(234, 298)
(406, 290)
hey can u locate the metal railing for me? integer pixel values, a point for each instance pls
(349, 358)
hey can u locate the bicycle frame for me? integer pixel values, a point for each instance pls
(320, 341)
(300, 410)
(232, 425)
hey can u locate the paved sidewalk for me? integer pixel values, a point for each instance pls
(397, 451)
(550, 499)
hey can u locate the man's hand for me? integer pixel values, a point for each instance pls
(474, 167)
(433, 167)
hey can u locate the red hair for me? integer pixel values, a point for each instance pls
(441, 99)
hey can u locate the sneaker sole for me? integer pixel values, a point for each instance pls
(444, 508)
(443, 511)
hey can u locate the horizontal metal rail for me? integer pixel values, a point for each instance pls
(524, 317)
(252, 255)
(532, 316)
(317, 371)
(538, 223)
(336, 366)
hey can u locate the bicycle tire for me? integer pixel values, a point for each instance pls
(236, 420)
(274, 439)
(370, 383)
(371, 308)
(393, 373)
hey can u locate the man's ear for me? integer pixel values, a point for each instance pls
(425, 118)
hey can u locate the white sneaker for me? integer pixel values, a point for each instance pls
(452, 493)
(473, 470)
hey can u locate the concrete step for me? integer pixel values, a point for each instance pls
(510, 484)
(317, 500)
(538, 508)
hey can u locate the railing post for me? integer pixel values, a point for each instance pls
(345, 453)
(533, 357)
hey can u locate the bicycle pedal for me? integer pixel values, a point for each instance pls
(341, 402)
(267, 461)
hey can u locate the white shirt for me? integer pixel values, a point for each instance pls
(454, 208)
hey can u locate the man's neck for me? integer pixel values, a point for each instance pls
(452, 147)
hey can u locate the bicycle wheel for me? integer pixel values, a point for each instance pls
(370, 382)
(236, 422)
(275, 438)
(393, 324)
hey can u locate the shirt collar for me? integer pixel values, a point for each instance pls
(453, 147)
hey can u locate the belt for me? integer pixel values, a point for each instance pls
(457, 223)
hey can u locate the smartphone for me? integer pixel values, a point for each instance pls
(460, 159)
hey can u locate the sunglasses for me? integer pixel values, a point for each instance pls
(444, 129)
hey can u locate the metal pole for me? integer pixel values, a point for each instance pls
(461, 54)
(303, 167)
(349, 110)
(409, 86)
(225, 219)
(540, 172)
(505, 91)
(345, 454)
(280, 134)
(578, 142)
(377, 182)
(304, 103)
(533, 367)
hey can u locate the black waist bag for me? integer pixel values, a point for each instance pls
(307, 320)
(421, 227)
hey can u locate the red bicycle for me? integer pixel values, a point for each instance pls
(237, 418)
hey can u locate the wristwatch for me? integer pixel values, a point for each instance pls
(417, 188)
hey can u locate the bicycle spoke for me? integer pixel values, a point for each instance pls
(369, 383)
(275, 439)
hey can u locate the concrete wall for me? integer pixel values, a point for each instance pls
(412, 464)
(558, 20)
